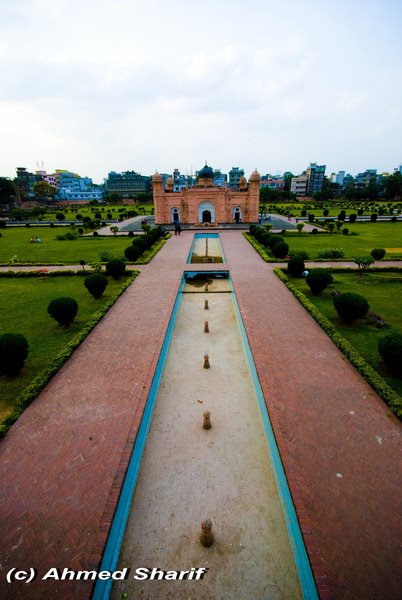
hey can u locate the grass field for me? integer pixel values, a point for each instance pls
(23, 309)
(383, 292)
(371, 235)
(16, 242)
(296, 208)
(89, 211)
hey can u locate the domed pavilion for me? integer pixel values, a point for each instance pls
(206, 203)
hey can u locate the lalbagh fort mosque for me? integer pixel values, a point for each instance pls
(206, 203)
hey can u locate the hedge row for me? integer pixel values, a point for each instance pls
(389, 396)
(148, 255)
(35, 387)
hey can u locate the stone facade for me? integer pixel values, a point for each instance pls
(206, 202)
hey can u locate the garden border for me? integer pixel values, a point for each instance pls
(390, 397)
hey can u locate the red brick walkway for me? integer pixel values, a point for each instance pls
(63, 462)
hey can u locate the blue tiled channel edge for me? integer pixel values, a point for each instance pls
(302, 562)
(115, 538)
(205, 235)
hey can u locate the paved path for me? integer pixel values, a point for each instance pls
(62, 463)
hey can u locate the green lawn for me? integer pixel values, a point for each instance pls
(89, 211)
(16, 241)
(383, 292)
(371, 235)
(23, 309)
(296, 208)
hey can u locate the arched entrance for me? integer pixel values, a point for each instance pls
(175, 215)
(206, 212)
(237, 214)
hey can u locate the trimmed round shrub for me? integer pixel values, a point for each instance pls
(132, 253)
(390, 348)
(13, 352)
(148, 239)
(360, 212)
(377, 253)
(131, 234)
(394, 219)
(275, 239)
(63, 310)
(70, 236)
(280, 250)
(314, 231)
(325, 212)
(296, 265)
(301, 253)
(139, 242)
(95, 233)
(80, 230)
(373, 217)
(352, 218)
(115, 268)
(318, 280)
(303, 212)
(345, 231)
(311, 218)
(156, 233)
(96, 284)
(351, 306)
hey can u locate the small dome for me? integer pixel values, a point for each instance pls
(242, 180)
(169, 181)
(255, 176)
(206, 173)
(156, 176)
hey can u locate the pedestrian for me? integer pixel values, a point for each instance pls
(178, 228)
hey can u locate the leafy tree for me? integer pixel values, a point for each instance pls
(299, 227)
(296, 265)
(392, 186)
(363, 263)
(60, 216)
(331, 227)
(378, 253)
(114, 229)
(43, 189)
(8, 191)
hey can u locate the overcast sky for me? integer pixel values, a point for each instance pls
(94, 86)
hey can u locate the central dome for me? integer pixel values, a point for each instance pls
(206, 173)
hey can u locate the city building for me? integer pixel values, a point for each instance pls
(340, 177)
(235, 174)
(127, 184)
(364, 179)
(25, 181)
(206, 202)
(315, 174)
(298, 185)
(181, 181)
(272, 183)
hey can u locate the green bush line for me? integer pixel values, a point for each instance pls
(149, 254)
(391, 398)
(29, 394)
(260, 248)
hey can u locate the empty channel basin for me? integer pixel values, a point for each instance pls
(206, 243)
(230, 474)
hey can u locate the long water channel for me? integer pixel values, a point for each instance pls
(225, 474)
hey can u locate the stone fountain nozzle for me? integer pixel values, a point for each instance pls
(206, 327)
(207, 537)
(206, 361)
(206, 307)
(207, 420)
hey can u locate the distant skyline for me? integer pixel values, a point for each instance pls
(144, 85)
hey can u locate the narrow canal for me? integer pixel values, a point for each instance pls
(189, 474)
